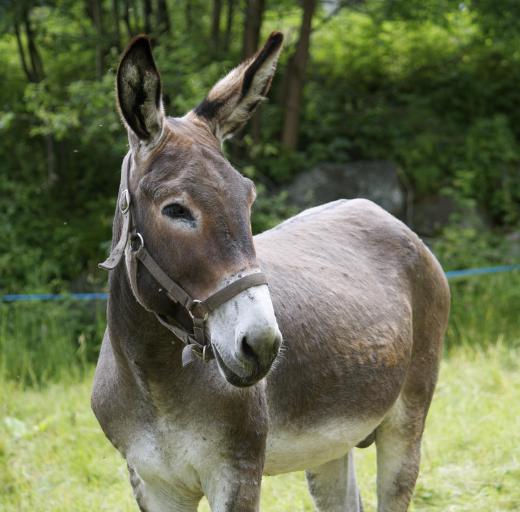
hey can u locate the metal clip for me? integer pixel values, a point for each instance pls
(192, 310)
(137, 237)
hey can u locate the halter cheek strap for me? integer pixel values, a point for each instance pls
(196, 342)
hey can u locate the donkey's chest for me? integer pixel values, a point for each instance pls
(163, 457)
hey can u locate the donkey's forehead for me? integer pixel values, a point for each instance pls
(187, 164)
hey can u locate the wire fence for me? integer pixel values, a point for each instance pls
(39, 297)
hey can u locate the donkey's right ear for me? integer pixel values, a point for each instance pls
(139, 93)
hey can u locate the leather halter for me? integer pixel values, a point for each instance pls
(197, 343)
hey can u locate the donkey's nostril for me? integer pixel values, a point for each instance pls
(247, 350)
(260, 348)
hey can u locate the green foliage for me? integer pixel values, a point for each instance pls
(435, 94)
(431, 85)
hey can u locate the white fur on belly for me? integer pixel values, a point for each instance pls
(295, 450)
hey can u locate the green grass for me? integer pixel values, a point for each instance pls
(485, 311)
(48, 341)
(53, 456)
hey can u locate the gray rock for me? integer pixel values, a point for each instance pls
(513, 245)
(374, 180)
(432, 213)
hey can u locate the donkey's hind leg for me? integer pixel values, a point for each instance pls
(333, 486)
(398, 443)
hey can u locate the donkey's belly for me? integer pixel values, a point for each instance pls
(291, 449)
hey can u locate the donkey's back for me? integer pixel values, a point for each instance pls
(362, 305)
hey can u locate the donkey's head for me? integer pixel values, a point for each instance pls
(193, 208)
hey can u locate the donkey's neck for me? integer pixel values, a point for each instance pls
(140, 343)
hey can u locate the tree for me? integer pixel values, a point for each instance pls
(296, 78)
(252, 24)
(147, 11)
(254, 14)
(215, 24)
(163, 17)
(95, 11)
(229, 23)
(32, 65)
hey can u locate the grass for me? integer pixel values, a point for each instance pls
(53, 456)
(49, 341)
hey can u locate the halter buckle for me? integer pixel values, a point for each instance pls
(196, 305)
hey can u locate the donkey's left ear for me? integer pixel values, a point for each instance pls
(232, 101)
(139, 93)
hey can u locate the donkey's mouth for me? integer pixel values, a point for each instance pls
(233, 378)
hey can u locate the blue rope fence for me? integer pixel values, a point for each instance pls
(35, 297)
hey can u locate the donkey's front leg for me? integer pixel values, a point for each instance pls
(235, 486)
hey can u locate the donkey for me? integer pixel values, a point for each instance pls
(185, 387)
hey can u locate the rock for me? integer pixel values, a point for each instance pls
(513, 245)
(431, 214)
(374, 180)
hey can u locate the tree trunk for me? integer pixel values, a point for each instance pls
(117, 32)
(147, 12)
(36, 73)
(34, 55)
(252, 24)
(296, 78)
(163, 17)
(126, 18)
(95, 9)
(229, 23)
(28, 72)
(134, 5)
(188, 15)
(215, 24)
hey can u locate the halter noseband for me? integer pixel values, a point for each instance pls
(197, 343)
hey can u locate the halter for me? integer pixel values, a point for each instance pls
(197, 343)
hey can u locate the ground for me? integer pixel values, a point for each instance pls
(53, 456)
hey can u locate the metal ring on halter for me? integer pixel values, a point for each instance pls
(193, 306)
(124, 203)
(140, 239)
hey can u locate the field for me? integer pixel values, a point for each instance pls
(53, 456)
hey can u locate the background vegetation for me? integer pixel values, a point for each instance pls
(431, 85)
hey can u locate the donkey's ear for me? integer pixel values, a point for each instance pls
(232, 101)
(139, 92)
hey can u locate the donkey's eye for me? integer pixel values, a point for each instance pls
(177, 211)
